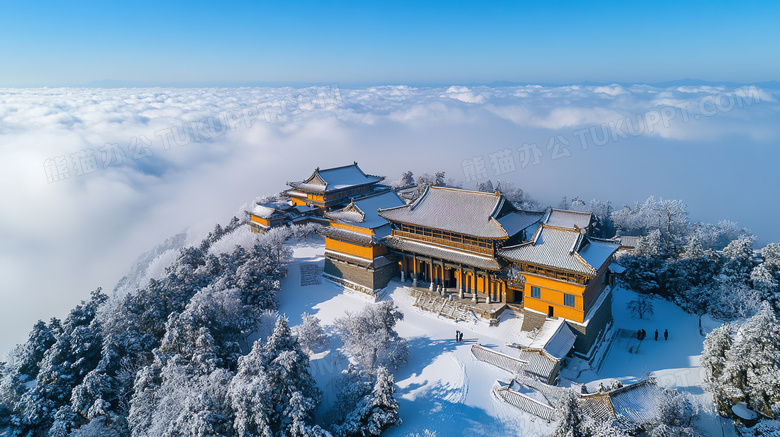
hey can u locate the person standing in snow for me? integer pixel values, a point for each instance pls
(666, 334)
(656, 335)
(457, 335)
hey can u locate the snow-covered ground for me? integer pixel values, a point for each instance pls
(444, 389)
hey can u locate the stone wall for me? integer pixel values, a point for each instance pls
(533, 320)
(586, 336)
(374, 279)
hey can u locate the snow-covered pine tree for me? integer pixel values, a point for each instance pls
(273, 392)
(407, 179)
(568, 416)
(375, 412)
(64, 365)
(739, 262)
(676, 414)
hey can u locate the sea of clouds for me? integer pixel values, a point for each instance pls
(91, 178)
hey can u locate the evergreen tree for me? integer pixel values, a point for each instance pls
(273, 392)
(375, 412)
(569, 417)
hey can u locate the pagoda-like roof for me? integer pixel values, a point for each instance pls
(455, 256)
(363, 211)
(483, 215)
(336, 179)
(563, 249)
(267, 210)
(561, 218)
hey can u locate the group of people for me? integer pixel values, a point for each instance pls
(458, 336)
(642, 334)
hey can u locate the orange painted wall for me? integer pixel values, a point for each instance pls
(365, 252)
(352, 228)
(259, 220)
(298, 201)
(552, 292)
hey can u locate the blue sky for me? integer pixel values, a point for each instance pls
(52, 43)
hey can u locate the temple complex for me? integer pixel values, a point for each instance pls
(467, 251)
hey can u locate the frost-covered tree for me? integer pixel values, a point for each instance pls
(676, 414)
(438, 179)
(771, 256)
(181, 398)
(650, 245)
(119, 358)
(273, 392)
(578, 204)
(744, 365)
(375, 412)
(714, 362)
(641, 273)
(485, 187)
(352, 384)
(370, 338)
(310, 334)
(766, 284)
(669, 217)
(510, 191)
(64, 365)
(407, 179)
(569, 417)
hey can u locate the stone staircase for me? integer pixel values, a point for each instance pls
(443, 307)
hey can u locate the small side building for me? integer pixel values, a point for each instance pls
(334, 187)
(353, 253)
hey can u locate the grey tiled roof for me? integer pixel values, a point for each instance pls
(637, 403)
(464, 212)
(516, 222)
(343, 234)
(555, 337)
(538, 366)
(337, 178)
(482, 262)
(568, 219)
(363, 211)
(632, 404)
(267, 210)
(629, 241)
(561, 249)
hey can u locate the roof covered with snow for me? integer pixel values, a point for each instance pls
(337, 178)
(635, 403)
(344, 234)
(560, 218)
(455, 256)
(629, 241)
(266, 210)
(485, 215)
(539, 366)
(563, 249)
(363, 211)
(555, 337)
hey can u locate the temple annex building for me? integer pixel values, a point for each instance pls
(466, 250)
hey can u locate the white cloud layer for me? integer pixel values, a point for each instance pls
(189, 157)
